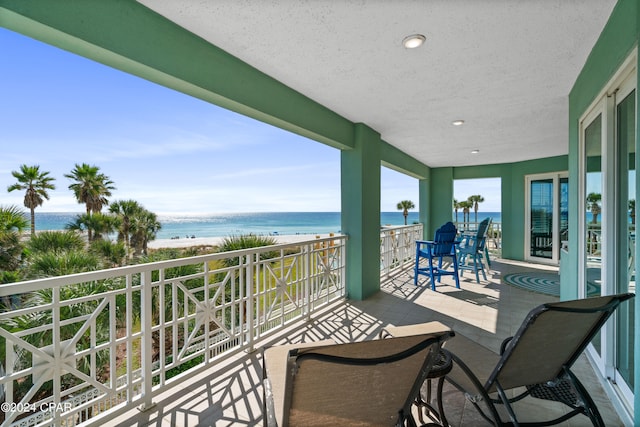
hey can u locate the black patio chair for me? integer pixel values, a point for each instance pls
(368, 383)
(535, 362)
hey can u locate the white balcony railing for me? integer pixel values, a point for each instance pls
(398, 247)
(89, 346)
(494, 232)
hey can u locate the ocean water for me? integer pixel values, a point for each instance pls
(221, 225)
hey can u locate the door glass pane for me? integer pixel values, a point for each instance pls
(593, 197)
(542, 218)
(627, 236)
(593, 146)
(564, 209)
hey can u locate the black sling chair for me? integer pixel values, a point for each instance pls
(537, 358)
(372, 383)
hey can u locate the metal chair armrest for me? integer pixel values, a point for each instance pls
(270, 410)
(504, 344)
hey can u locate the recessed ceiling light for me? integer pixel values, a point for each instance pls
(457, 122)
(476, 151)
(413, 41)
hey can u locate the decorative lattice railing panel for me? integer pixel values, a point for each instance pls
(398, 247)
(88, 345)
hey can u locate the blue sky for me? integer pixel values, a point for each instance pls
(170, 152)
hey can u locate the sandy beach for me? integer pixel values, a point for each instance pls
(184, 242)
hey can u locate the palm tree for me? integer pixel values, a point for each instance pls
(36, 183)
(593, 203)
(404, 206)
(125, 210)
(90, 187)
(632, 211)
(11, 251)
(96, 225)
(456, 206)
(145, 227)
(466, 206)
(12, 223)
(12, 219)
(475, 200)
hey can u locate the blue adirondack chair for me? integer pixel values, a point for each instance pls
(442, 246)
(471, 250)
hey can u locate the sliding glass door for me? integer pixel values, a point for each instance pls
(625, 113)
(607, 199)
(547, 216)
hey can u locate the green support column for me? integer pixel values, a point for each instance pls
(511, 217)
(360, 171)
(424, 205)
(441, 196)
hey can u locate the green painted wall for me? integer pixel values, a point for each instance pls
(514, 203)
(619, 37)
(617, 40)
(512, 178)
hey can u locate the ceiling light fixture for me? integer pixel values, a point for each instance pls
(457, 122)
(413, 41)
(476, 151)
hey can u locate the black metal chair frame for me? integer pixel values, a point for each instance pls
(565, 387)
(405, 417)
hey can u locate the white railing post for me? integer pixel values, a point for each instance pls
(129, 346)
(57, 348)
(147, 342)
(250, 280)
(384, 254)
(311, 276)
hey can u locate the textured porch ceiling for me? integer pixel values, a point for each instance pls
(504, 67)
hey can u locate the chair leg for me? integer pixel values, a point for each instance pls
(415, 275)
(507, 405)
(476, 392)
(591, 410)
(443, 419)
(484, 275)
(455, 271)
(486, 254)
(461, 261)
(433, 279)
(478, 266)
(475, 268)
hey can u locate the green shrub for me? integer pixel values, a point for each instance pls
(112, 253)
(246, 241)
(56, 241)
